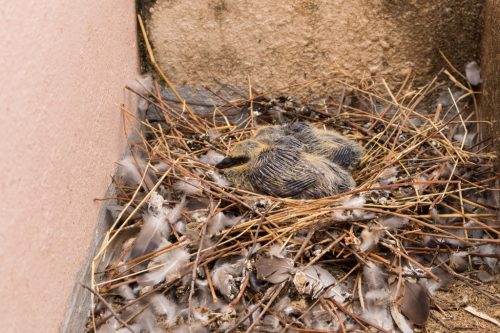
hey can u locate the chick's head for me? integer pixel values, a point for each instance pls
(241, 154)
(269, 133)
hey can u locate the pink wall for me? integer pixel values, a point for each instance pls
(63, 66)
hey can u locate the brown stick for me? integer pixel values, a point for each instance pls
(110, 308)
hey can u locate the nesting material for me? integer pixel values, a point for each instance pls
(194, 251)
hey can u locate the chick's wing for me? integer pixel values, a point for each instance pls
(280, 171)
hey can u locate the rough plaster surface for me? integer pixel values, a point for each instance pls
(282, 43)
(64, 65)
(490, 72)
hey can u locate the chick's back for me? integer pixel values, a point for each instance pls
(283, 169)
(327, 143)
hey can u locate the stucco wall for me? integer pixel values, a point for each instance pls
(282, 43)
(63, 68)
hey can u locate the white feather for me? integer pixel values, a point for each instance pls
(142, 85)
(373, 276)
(400, 320)
(213, 134)
(435, 216)
(314, 279)
(271, 322)
(154, 229)
(163, 306)
(421, 187)
(161, 166)
(490, 249)
(224, 277)
(377, 297)
(176, 212)
(147, 321)
(167, 266)
(467, 140)
(201, 314)
(340, 215)
(135, 328)
(354, 202)
(432, 285)
(377, 301)
(219, 179)
(219, 222)
(360, 214)
(473, 73)
(458, 261)
(155, 203)
(126, 292)
(211, 157)
(142, 106)
(277, 250)
(224, 281)
(106, 328)
(370, 238)
(394, 222)
(388, 176)
(129, 172)
(180, 227)
(189, 186)
(379, 316)
(193, 328)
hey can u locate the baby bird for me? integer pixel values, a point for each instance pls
(282, 168)
(327, 143)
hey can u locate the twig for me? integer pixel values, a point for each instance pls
(109, 307)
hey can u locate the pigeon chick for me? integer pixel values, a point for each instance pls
(282, 168)
(327, 143)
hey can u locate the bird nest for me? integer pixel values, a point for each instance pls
(190, 252)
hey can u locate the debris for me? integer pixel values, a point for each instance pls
(481, 315)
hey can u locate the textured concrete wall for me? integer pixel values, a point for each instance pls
(64, 65)
(490, 72)
(281, 43)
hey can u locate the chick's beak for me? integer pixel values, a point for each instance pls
(231, 161)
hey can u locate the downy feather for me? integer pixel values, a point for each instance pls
(189, 186)
(176, 212)
(131, 169)
(223, 277)
(354, 202)
(370, 238)
(163, 306)
(154, 229)
(168, 266)
(219, 179)
(373, 276)
(394, 222)
(473, 73)
(211, 157)
(277, 250)
(126, 292)
(142, 85)
(219, 222)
